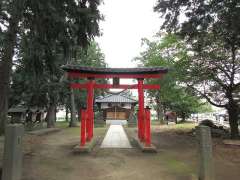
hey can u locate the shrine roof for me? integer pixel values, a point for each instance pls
(115, 98)
(98, 70)
(24, 109)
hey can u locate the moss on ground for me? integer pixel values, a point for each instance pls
(62, 124)
(186, 127)
(175, 165)
(76, 130)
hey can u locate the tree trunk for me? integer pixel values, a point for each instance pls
(158, 110)
(6, 67)
(72, 122)
(158, 116)
(79, 115)
(233, 121)
(66, 116)
(183, 118)
(51, 116)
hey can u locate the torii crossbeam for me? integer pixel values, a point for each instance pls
(92, 73)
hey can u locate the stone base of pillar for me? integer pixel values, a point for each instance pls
(145, 149)
(87, 148)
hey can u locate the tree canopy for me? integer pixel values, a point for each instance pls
(37, 89)
(43, 34)
(211, 32)
(173, 96)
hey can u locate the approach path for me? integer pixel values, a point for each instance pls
(51, 157)
(116, 138)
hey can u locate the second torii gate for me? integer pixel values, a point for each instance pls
(92, 73)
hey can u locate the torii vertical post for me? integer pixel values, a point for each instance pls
(83, 127)
(90, 115)
(141, 109)
(147, 127)
(140, 74)
(138, 124)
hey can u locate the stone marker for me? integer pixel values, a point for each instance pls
(205, 153)
(12, 160)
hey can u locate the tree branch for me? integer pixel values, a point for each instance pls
(207, 98)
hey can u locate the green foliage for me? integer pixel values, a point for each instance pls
(211, 31)
(52, 33)
(32, 84)
(202, 17)
(173, 95)
(40, 34)
(92, 57)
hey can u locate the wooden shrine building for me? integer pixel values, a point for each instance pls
(116, 106)
(76, 72)
(23, 114)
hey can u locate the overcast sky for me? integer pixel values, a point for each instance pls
(126, 23)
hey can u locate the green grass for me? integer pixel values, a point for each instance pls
(96, 125)
(62, 124)
(185, 126)
(180, 126)
(178, 166)
(97, 130)
(173, 164)
(155, 122)
(74, 130)
(101, 131)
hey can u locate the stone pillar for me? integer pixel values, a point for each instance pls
(12, 160)
(205, 153)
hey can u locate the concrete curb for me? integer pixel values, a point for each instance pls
(232, 142)
(42, 132)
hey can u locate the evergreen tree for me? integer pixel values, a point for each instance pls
(47, 28)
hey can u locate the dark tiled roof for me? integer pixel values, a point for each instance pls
(22, 109)
(97, 70)
(115, 98)
(17, 110)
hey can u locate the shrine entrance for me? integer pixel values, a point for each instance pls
(91, 73)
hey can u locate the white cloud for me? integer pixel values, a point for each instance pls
(126, 23)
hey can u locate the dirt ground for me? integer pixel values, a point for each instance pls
(50, 157)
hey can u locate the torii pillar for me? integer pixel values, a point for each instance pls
(90, 114)
(141, 110)
(91, 73)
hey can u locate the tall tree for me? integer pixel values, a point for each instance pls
(173, 96)
(92, 57)
(10, 17)
(31, 84)
(212, 31)
(53, 24)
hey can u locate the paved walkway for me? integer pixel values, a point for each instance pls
(116, 122)
(116, 138)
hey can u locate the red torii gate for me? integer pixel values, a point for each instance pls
(91, 73)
